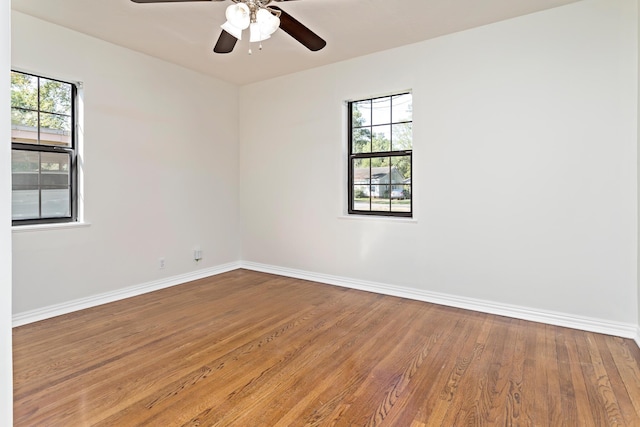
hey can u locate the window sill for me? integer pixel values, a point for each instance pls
(43, 227)
(373, 218)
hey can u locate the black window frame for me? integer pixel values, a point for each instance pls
(71, 151)
(351, 156)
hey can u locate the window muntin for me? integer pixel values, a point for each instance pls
(380, 156)
(43, 150)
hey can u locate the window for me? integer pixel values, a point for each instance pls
(380, 147)
(43, 150)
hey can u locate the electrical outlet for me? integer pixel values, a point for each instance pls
(197, 254)
(161, 263)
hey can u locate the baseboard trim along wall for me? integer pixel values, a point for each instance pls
(553, 318)
(619, 329)
(132, 291)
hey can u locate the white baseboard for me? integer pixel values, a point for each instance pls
(31, 316)
(619, 329)
(518, 312)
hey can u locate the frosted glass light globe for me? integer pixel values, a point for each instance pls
(238, 15)
(268, 22)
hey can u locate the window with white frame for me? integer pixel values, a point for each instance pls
(43, 150)
(380, 156)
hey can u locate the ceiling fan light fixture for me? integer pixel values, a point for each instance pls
(268, 22)
(255, 35)
(238, 15)
(242, 13)
(232, 29)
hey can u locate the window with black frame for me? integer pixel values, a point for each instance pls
(380, 156)
(43, 150)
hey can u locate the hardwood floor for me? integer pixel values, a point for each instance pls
(253, 349)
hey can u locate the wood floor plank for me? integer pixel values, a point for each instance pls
(628, 379)
(588, 409)
(520, 399)
(496, 387)
(600, 386)
(627, 410)
(469, 408)
(254, 349)
(548, 410)
(535, 405)
(448, 403)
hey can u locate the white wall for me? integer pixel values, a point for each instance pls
(525, 165)
(160, 171)
(6, 369)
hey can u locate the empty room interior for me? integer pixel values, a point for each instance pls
(224, 261)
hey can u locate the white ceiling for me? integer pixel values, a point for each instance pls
(185, 33)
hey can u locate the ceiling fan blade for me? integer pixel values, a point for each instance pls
(298, 31)
(168, 1)
(225, 44)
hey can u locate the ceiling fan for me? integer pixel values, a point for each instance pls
(261, 19)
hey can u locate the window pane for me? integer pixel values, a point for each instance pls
(380, 167)
(55, 122)
(361, 172)
(380, 194)
(381, 111)
(401, 198)
(361, 140)
(54, 161)
(400, 192)
(376, 193)
(361, 180)
(24, 126)
(40, 177)
(54, 170)
(381, 138)
(361, 113)
(24, 91)
(55, 97)
(55, 129)
(361, 199)
(402, 136)
(25, 195)
(25, 204)
(21, 117)
(380, 175)
(55, 203)
(24, 162)
(400, 169)
(55, 185)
